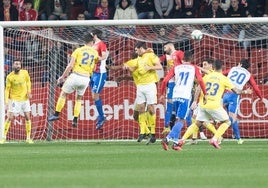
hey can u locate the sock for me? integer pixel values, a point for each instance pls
(221, 130)
(6, 125)
(143, 123)
(195, 134)
(175, 131)
(77, 107)
(236, 130)
(98, 104)
(172, 121)
(151, 121)
(60, 104)
(191, 129)
(28, 127)
(168, 113)
(210, 127)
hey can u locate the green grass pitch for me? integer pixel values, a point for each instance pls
(128, 164)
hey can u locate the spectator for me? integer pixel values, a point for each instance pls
(104, 11)
(214, 11)
(90, 7)
(180, 34)
(8, 12)
(116, 2)
(235, 10)
(32, 49)
(125, 11)
(58, 9)
(189, 8)
(58, 57)
(162, 38)
(28, 13)
(177, 13)
(76, 8)
(40, 7)
(224, 4)
(8, 59)
(163, 8)
(145, 9)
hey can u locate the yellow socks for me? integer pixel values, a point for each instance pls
(143, 123)
(7, 125)
(193, 128)
(210, 127)
(28, 127)
(221, 130)
(77, 108)
(60, 104)
(151, 122)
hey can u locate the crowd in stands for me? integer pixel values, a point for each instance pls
(12, 10)
(30, 10)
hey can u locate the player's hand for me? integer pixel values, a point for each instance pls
(205, 100)
(60, 81)
(248, 91)
(162, 99)
(29, 95)
(194, 105)
(147, 68)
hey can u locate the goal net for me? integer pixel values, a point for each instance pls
(45, 51)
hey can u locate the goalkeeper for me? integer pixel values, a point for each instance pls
(82, 63)
(17, 95)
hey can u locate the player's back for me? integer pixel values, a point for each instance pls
(239, 76)
(216, 83)
(184, 81)
(86, 57)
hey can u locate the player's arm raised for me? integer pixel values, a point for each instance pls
(67, 70)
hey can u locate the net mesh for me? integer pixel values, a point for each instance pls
(45, 52)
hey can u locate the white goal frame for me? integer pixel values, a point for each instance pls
(197, 21)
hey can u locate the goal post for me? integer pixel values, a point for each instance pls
(45, 48)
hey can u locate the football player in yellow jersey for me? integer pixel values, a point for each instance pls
(82, 64)
(17, 98)
(132, 65)
(207, 67)
(147, 64)
(210, 106)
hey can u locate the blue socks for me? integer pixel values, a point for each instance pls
(235, 128)
(175, 132)
(168, 113)
(98, 104)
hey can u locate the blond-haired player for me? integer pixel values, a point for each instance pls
(17, 98)
(82, 63)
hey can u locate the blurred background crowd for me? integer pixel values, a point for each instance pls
(24, 10)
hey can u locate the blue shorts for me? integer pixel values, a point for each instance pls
(97, 82)
(182, 107)
(231, 102)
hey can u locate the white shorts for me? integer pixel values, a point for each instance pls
(76, 82)
(217, 115)
(146, 93)
(19, 107)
